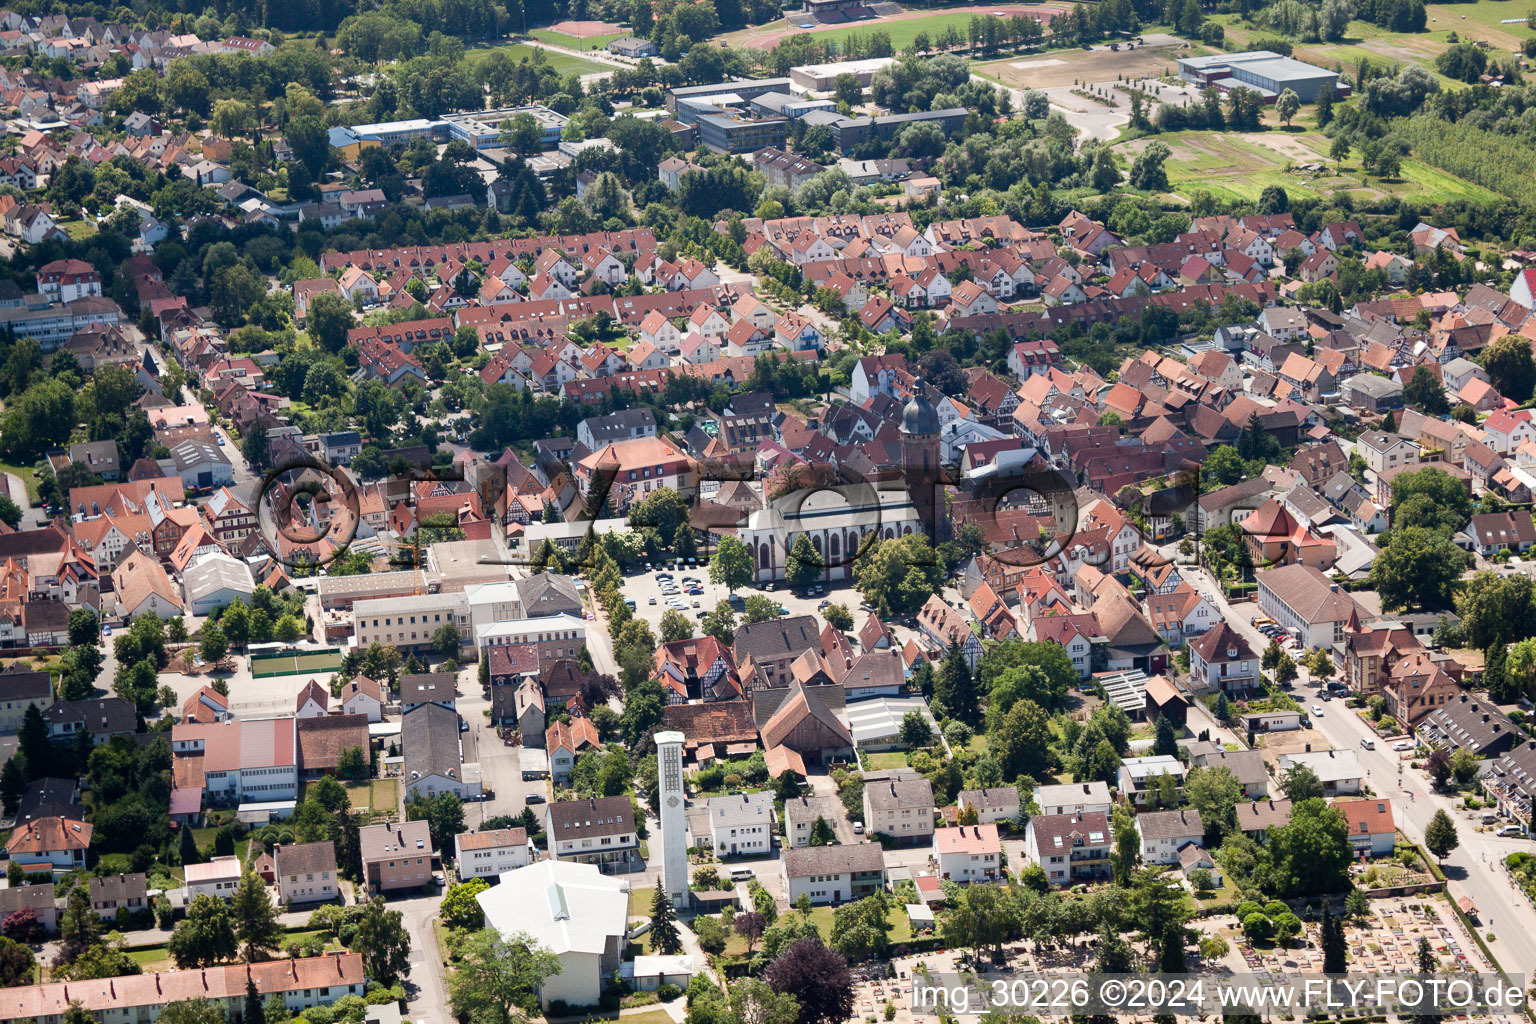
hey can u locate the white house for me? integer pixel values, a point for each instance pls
(363, 696)
(741, 825)
(492, 853)
(833, 874)
(1138, 775)
(1372, 831)
(218, 877)
(1074, 798)
(572, 910)
(1338, 770)
(1165, 833)
(306, 872)
(993, 805)
(969, 853)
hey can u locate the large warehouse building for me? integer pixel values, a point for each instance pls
(1268, 73)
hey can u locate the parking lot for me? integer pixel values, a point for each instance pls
(644, 587)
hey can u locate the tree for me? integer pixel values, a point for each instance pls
(206, 936)
(816, 976)
(915, 731)
(255, 1012)
(731, 566)
(1430, 498)
(822, 833)
(804, 565)
(1339, 150)
(384, 943)
(1020, 742)
(1311, 854)
(79, 926)
(861, 929)
(1510, 367)
(192, 1011)
(255, 918)
(750, 925)
(84, 628)
(1440, 836)
(664, 937)
(1418, 569)
(1334, 948)
(497, 975)
(460, 909)
(1301, 783)
(17, 965)
(838, 617)
(213, 644)
(1287, 105)
(955, 687)
(675, 626)
(898, 575)
(1425, 392)
(1215, 793)
(1438, 767)
(1147, 171)
(444, 814)
(13, 783)
(1166, 742)
(1127, 851)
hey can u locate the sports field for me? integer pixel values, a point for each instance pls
(1242, 165)
(563, 63)
(579, 42)
(902, 28)
(266, 665)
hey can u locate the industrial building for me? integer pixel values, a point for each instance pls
(1266, 72)
(823, 77)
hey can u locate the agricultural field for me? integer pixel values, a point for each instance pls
(1068, 67)
(563, 63)
(1242, 165)
(902, 28)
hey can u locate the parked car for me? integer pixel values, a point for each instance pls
(1367, 743)
(1402, 745)
(1510, 830)
(653, 600)
(534, 798)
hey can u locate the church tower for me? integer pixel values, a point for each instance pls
(674, 839)
(920, 461)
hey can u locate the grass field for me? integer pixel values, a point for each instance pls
(377, 797)
(563, 64)
(1241, 166)
(1066, 67)
(549, 35)
(893, 759)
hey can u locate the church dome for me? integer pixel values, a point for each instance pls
(919, 417)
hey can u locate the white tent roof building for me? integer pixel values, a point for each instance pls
(573, 910)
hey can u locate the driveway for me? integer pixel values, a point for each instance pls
(426, 978)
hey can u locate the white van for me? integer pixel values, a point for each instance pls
(741, 874)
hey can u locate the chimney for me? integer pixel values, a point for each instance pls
(1485, 718)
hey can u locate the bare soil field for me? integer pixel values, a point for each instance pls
(1096, 66)
(583, 29)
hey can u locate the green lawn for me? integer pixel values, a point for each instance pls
(640, 901)
(1233, 166)
(574, 42)
(901, 32)
(892, 759)
(380, 796)
(901, 928)
(28, 476)
(77, 229)
(562, 63)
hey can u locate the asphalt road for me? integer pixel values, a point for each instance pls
(1474, 868)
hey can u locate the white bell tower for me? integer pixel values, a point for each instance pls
(674, 837)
